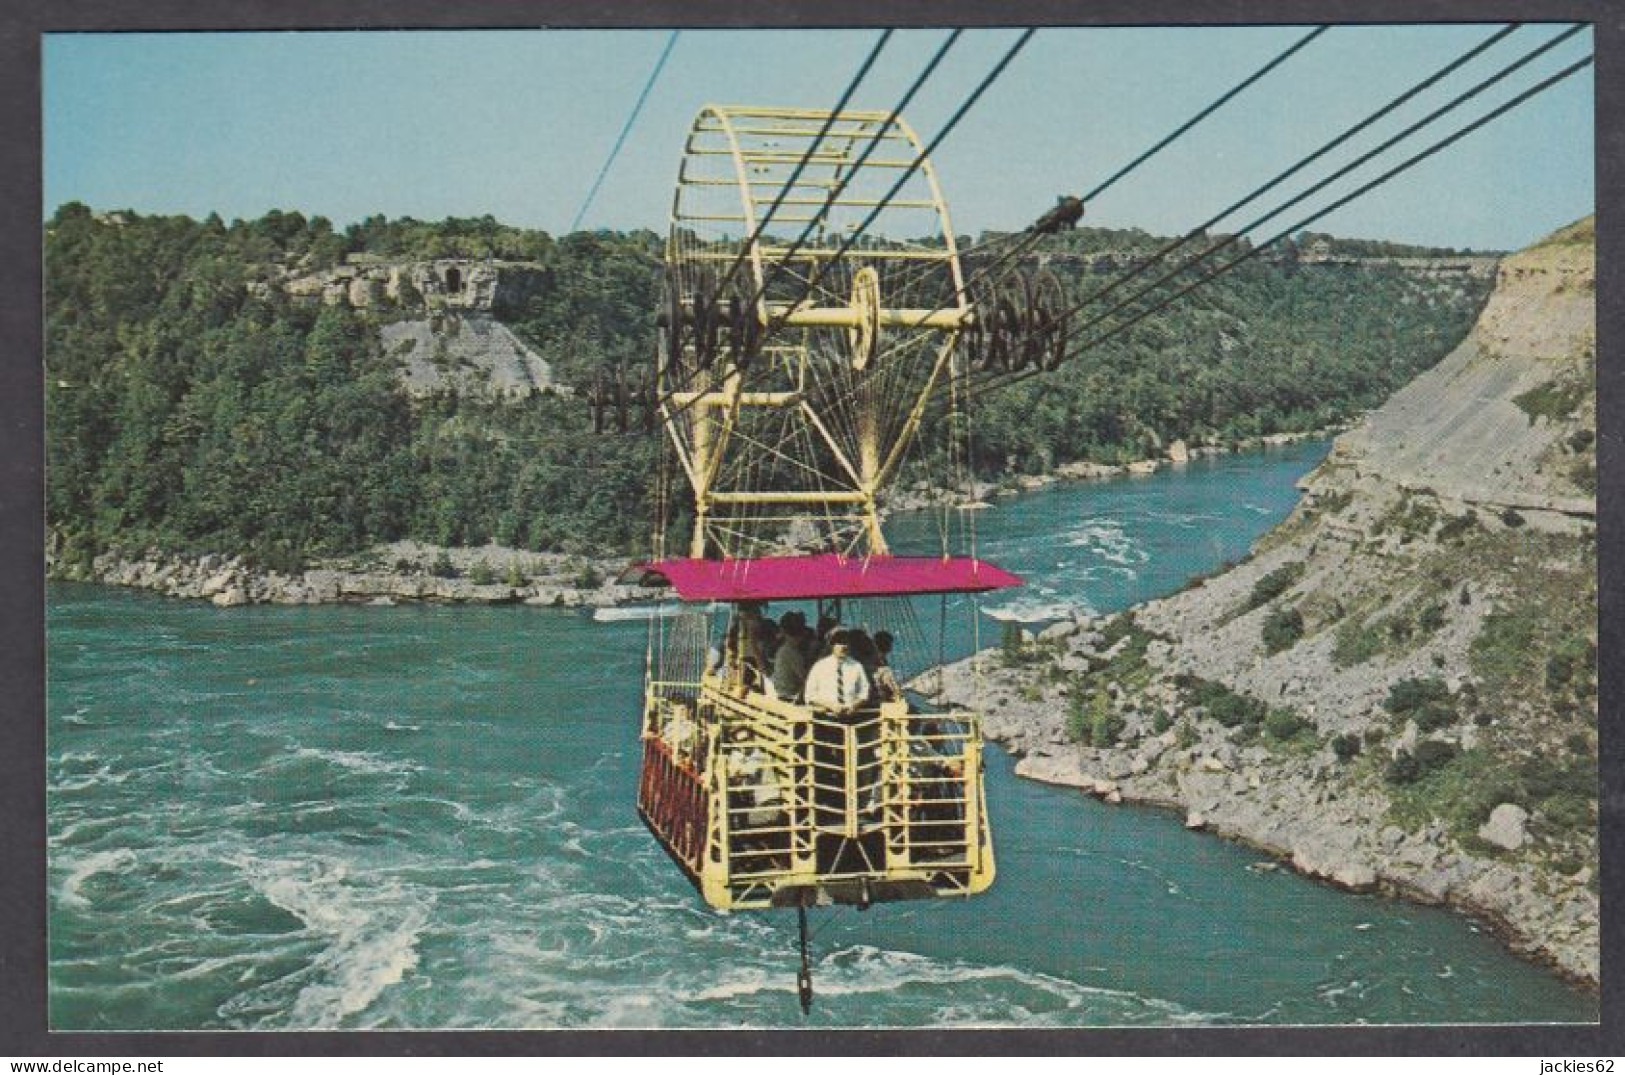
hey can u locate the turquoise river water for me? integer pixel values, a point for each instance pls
(269, 818)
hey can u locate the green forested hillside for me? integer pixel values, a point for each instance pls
(192, 406)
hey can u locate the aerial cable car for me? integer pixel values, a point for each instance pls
(792, 385)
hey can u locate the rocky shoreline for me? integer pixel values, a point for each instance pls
(1396, 689)
(1285, 802)
(920, 497)
(414, 571)
(400, 572)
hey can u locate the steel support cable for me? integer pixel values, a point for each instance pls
(806, 158)
(914, 166)
(1031, 235)
(1205, 113)
(778, 323)
(1281, 177)
(829, 122)
(1358, 162)
(874, 143)
(626, 129)
(1366, 188)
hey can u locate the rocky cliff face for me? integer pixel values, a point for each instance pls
(1397, 689)
(470, 355)
(448, 341)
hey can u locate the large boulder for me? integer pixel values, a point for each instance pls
(1505, 827)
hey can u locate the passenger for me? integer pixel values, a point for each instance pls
(863, 651)
(790, 662)
(681, 732)
(827, 626)
(747, 667)
(757, 799)
(768, 644)
(887, 689)
(837, 683)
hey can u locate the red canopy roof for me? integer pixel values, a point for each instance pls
(785, 578)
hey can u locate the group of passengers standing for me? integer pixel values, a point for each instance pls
(834, 669)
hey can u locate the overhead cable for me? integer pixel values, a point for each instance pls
(1364, 189)
(1444, 109)
(1031, 235)
(1202, 228)
(801, 165)
(626, 128)
(914, 166)
(1205, 113)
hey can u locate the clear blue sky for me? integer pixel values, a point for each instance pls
(517, 123)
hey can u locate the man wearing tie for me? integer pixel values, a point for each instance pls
(837, 683)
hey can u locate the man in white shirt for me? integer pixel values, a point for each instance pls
(837, 682)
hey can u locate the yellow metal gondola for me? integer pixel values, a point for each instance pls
(793, 371)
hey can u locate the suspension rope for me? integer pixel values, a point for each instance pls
(1444, 109)
(626, 128)
(778, 267)
(914, 166)
(1385, 177)
(807, 156)
(1204, 113)
(1281, 177)
(1035, 232)
(1030, 237)
(857, 167)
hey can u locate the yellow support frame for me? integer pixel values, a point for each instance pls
(711, 410)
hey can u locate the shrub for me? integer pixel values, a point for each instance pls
(1511, 518)
(588, 579)
(1431, 618)
(483, 574)
(1355, 643)
(1426, 701)
(443, 568)
(1161, 722)
(1282, 629)
(514, 577)
(1572, 663)
(1105, 726)
(1332, 503)
(1432, 718)
(1553, 400)
(1119, 627)
(1458, 525)
(1434, 754)
(1346, 746)
(1221, 703)
(1012, 646)
(1273, 585)
(1077, 716)
(1568, 811)
(1403, 769)
(1283, 724)
(1583, 475)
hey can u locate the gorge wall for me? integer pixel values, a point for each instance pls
(1396, 689)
